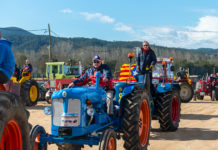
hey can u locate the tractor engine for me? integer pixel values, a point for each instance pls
(76, 111)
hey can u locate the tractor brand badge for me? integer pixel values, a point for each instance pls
(120, 89)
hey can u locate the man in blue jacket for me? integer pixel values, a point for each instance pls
(146, 59)
(7, 61)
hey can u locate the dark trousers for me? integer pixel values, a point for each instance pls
(3, 78)
(152, 89)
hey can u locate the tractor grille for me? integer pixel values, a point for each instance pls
(58, 109)
(74, 107)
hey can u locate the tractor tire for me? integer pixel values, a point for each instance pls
(136, 120)
(14, 126)
(169, 108)
(186, 92)
(30, 92)
(108, 140)
(35, 137)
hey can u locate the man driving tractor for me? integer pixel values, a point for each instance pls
(26, 72)
(106, 82)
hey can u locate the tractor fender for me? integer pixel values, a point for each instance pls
(127, 90)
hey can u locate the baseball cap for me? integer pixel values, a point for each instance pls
(96, 57)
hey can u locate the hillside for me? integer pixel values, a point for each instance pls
(35, 47)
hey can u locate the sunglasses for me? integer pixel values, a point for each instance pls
(96, 61)
(145, 45)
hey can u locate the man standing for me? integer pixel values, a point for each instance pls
(146, 59)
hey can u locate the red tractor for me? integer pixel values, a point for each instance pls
(207, 87)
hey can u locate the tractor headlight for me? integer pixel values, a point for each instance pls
(90, 111)
(47, 110)
(64, 94)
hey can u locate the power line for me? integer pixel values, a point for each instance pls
(32, 30)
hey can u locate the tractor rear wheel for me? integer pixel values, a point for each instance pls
(14, 127)
(169, 107)
(186, 92)
(35, 134)
(30, 92)
(108, 140)
(136, 120)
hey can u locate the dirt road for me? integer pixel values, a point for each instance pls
(198, 128)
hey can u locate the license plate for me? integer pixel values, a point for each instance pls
(202, 93)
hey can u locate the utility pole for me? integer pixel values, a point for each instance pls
(49, 50)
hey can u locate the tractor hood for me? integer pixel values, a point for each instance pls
(89, 92)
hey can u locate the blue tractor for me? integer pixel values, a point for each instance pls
(79, 116)
(166, 100)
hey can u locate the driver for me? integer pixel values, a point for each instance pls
(89, 76)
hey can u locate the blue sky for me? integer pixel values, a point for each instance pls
(171, 23)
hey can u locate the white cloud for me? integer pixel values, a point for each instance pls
(123, 27)
(205, 11)
(97, 16)
(66, 11)
(207, 23)
(204, 34)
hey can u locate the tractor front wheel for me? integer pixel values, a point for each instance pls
(14, 127)
(30, 92)
(136, 120)
(108, 140)
(35, 134)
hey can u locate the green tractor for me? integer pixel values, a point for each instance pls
(58, 76)
(59, 70)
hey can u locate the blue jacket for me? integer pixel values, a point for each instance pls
(145, 60)
(7, 61)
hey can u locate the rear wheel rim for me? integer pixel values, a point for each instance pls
(11, 138)
(36, 142)
(111, 144)
(33, 93)
(185, 92)
(144, 123)
(175, 109)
